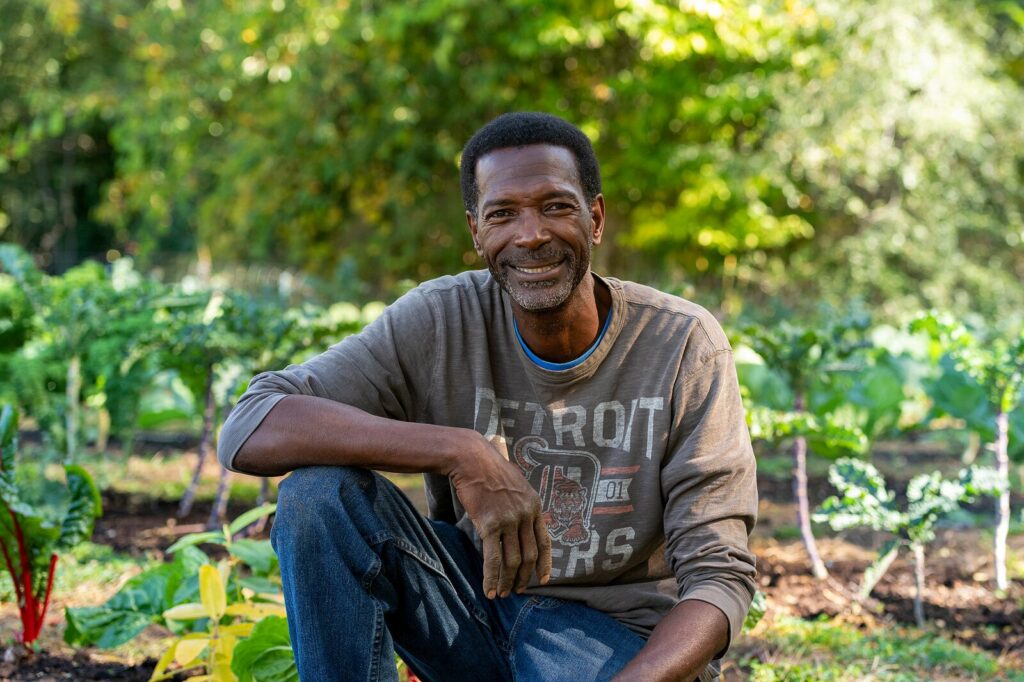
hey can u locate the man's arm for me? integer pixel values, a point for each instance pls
(681, 646)
(710, 493)
(302, 430)
(359, 403)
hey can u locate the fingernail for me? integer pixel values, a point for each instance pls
(490, 595)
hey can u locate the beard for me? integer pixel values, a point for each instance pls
(547, 294)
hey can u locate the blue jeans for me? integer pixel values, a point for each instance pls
(366, 575)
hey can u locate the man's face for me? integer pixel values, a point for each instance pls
(533, 226)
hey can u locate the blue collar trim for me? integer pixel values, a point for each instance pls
(559, 366)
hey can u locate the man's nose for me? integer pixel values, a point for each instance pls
(531, 233)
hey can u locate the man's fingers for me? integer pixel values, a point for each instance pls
(528, 549)
(540, 532)
(510, 564)
(492, 563)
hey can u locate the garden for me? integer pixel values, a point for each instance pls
(193, 194)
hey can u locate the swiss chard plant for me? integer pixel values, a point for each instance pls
(864, 500)
(996, 366)
(34, 531)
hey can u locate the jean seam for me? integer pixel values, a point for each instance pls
(515, 630)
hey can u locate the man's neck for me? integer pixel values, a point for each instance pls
(565, 333)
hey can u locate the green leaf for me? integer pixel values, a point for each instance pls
(758, 607)
(85, 506)
(251, 516)
(8, 437)
(192, 539)
(266, 655)
(141, 601)
(257, 554)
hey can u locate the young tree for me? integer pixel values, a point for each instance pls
(865, 501)
(804, 355)
(996, 364)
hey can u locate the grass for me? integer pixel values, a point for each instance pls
(823, 650)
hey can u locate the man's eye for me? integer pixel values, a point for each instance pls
(500, 213)
(559, 206)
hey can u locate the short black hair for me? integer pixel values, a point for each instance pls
(523, 128)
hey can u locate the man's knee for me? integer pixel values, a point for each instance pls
(312, 497)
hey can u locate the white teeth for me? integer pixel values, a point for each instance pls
(537, 271)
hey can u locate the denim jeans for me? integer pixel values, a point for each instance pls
(366, 575)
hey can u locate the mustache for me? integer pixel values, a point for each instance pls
(532, 258)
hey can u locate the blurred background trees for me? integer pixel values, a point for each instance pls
(797, 150)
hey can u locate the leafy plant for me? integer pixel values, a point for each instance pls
(996, 366)
(864, 500)
(215, 609)
(803, 355)
(34, 531)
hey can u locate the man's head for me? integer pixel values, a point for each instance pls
(524, 128)
(532, 190)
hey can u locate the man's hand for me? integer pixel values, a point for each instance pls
(507, 516)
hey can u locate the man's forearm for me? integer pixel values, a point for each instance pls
(682, 644)
(304, 430)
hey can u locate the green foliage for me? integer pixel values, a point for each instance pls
(266, 654)
(994, 362)
(758, 607)
(864, 500)
(827, 436)
(34, 529)
(787, 147)
(140, 602)
(234, 616)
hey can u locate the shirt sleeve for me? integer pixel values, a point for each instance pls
(709, 486)
(384, 370)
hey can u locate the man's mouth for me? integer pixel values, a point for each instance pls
(536, 270)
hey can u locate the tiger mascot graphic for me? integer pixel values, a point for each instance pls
(566, 481)
(564, 517)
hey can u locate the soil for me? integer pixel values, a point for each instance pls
(959, 599)
(80, 666)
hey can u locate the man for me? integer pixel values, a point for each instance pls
(587, 467)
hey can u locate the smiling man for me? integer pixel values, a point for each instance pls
(588, 472)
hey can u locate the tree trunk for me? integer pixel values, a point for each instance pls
(219, 512)
(803, 507)
(209, 413)
(73, 390)
(220, 502)
(918, 583)
(1003, 501)
(102, 429)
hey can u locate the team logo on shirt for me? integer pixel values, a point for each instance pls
(566, 481)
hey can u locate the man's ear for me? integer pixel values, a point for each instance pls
(597, 218)
(471, 221)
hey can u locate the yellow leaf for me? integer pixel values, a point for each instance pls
(200, 678)
(211, 591)
(188, 650)
(161, 665)
(239, 629)
(185, 612)
(255, 611)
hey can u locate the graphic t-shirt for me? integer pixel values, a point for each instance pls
(640, 453)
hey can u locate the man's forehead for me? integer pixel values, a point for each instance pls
(528, 164)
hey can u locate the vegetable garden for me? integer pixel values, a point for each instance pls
(891, 460)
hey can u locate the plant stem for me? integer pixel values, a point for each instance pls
(74, 389)
(803, 507)
(209, 412)
(918, 549)
(1003, 501)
